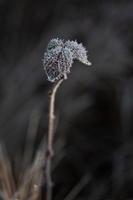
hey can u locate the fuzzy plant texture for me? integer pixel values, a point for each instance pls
(59, 57)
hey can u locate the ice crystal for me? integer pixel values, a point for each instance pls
(58, 58)
(54, 43)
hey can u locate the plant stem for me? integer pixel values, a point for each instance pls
(50, 151)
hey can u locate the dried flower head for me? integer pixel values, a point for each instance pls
(58, 58)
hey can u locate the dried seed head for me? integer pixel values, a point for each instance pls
(59, 58)
(57, 63)
(79, 52)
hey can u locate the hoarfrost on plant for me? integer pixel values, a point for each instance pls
(58, 58)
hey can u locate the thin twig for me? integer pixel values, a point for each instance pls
(6, 176)
(78, 188)
(32, 179)
(50, 139)
(31, 136)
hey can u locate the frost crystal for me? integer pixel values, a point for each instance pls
(59, 58)
(79, 52)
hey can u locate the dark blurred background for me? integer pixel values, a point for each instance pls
(94, 107)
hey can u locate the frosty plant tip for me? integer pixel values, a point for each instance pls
(58, 60)
(59, 57)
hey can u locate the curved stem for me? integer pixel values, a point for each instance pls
(50, 151)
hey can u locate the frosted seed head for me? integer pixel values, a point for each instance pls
(59, 58)
(79, 52)
(51, 66)
(57, 63)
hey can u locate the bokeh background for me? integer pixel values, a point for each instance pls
(94, 107)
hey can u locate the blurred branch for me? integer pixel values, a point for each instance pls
(77, 189)
(6, 176)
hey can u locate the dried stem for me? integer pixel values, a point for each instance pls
(50, 151)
